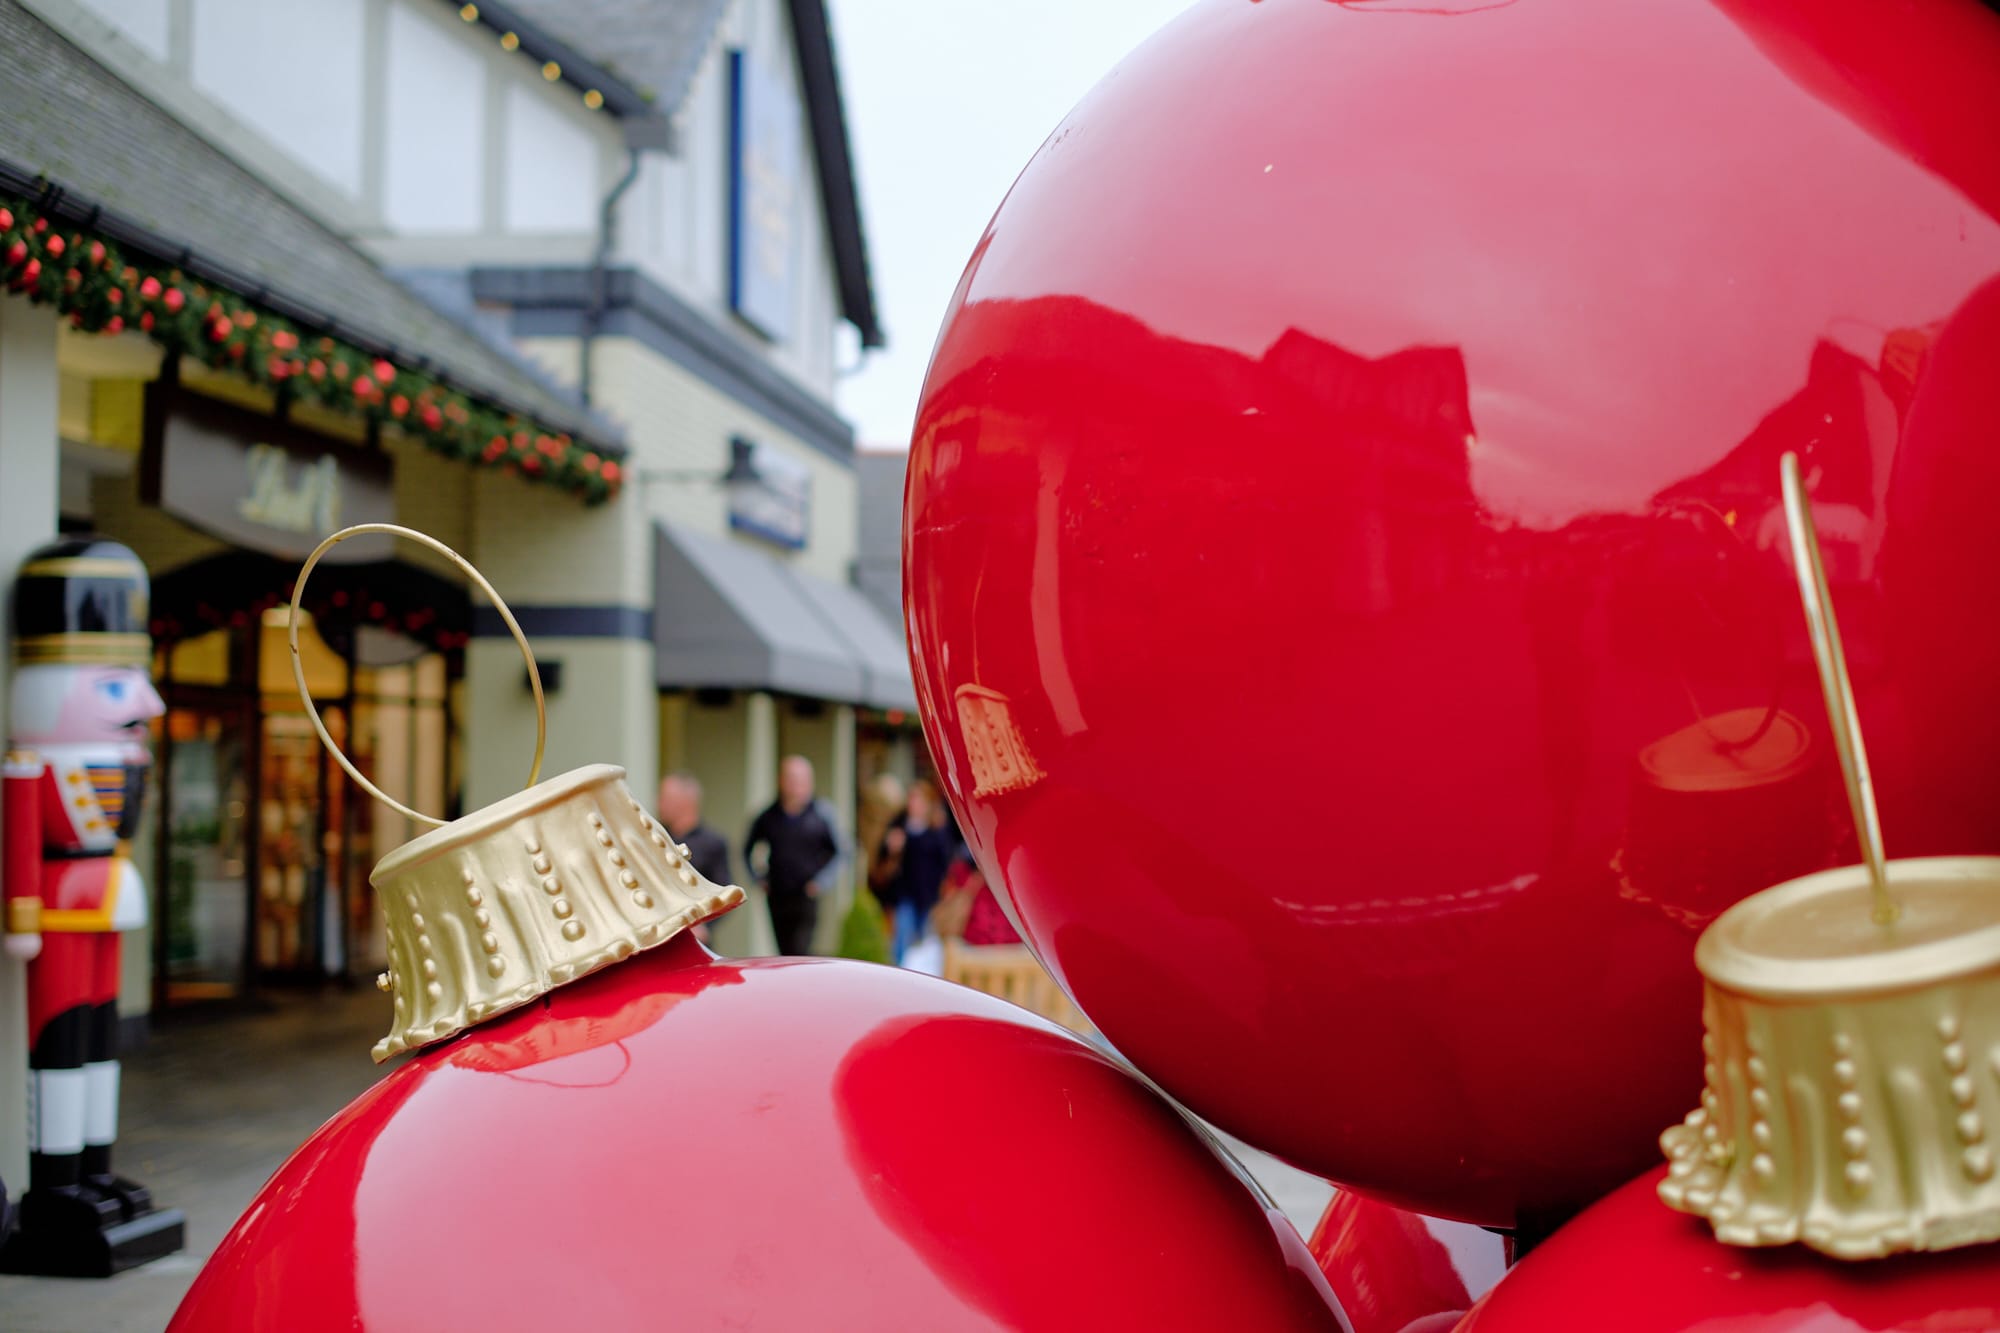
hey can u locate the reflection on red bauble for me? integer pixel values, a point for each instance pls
(1345, 568)
(1396, 1272)
(1632, 1264)
(685, 1142)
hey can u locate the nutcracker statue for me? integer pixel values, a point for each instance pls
(75, 777)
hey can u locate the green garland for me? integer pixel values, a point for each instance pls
(103, 291)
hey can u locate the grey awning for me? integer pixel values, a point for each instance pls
(876, 645)
(729, 616)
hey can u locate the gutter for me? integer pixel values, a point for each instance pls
(607, 224)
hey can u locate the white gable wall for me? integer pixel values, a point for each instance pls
(678, 228)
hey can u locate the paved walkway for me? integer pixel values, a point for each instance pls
(221, 1102)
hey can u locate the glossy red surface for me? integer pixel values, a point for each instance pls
(1344, 561)
(682, 1142)
(1397, 1272)
(1632, 1264)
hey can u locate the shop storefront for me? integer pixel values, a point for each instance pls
(260, 849)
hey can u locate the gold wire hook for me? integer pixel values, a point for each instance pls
(1831, 659)
(299, 669)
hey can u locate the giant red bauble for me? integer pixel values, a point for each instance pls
(1344, 562)
(1632, 1264)
(685, 1142)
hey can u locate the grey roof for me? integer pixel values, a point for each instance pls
(165, 190)
(878, 563)
(729, 616)
(656, 46)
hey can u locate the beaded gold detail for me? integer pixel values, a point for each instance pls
(1842, 1107)
(497, 908)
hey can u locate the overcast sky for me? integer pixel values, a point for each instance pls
(946, 102)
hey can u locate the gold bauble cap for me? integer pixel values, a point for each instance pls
(1853, 1067)
(487, 912)
(490, 911)
(1853, 1028)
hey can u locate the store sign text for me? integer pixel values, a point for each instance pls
(312, 507)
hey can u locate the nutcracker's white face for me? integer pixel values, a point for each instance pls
(82, 705)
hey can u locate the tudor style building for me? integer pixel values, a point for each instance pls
(609, 252)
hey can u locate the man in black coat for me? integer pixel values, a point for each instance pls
(803, 850)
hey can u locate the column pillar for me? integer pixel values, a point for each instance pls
(837, 784)
(30, 488)
(746, 932)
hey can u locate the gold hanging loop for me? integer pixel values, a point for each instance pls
(1831, 659)
(465, 566)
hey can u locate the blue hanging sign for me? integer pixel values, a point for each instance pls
(764, 182)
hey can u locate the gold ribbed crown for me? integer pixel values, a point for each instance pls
(1853, 1066)
(1853, 1026)
(490, 911)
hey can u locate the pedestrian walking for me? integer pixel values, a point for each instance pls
(797, 843)
(910, 865)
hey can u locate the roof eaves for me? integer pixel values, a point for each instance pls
(820, 73)
(586, 428)
(622, 98)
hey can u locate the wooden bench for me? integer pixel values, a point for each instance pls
(1011, 972)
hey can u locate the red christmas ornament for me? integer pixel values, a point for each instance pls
(1396, 1272)
(844, 1146)
(114, 325)
(364, 388)
(55, 246)
(114, 296)
(1632, 1264)
(173, 299)
(31, 272)
(146, 320)
(385, 373)
(97, 253)
(6, 219)
(316, 370)
(16, 253)
(399, 406)
(149, 287)
(1352, 621)
(430, 416)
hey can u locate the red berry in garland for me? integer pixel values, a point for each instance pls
(114, 325)
(316, 370)
(56, 245)
(32, 272)
(114, 297)
(150, 288)
(431, 416)
(385, 373)
(96, 252)
(173, 300)
(146, 320)
(399, 406)
(6, 219)
(17, 254)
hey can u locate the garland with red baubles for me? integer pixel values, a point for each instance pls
(107, 292)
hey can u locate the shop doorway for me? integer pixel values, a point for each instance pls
(264, 844)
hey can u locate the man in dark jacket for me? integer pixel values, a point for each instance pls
(680, 813)
(802, 853)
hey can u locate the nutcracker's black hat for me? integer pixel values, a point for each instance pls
(82, 601)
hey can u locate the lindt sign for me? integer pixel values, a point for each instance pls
(260, 483)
